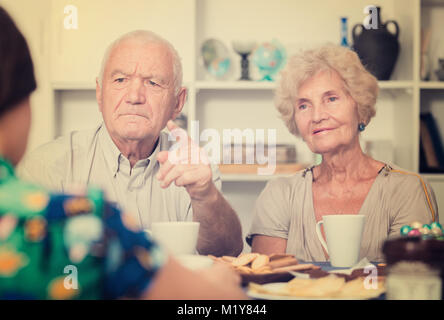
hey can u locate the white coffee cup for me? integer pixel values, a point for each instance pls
(194, 261)
(178, 237)
(343, 233)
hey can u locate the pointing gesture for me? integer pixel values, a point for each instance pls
(186, 165)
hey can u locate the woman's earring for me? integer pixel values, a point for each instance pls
(361, 127)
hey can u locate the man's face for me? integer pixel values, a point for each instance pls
(137, 96)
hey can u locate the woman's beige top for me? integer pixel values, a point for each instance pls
(397, 197)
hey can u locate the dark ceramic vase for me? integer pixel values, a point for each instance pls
(377, 48)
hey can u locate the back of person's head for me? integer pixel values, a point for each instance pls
(17, 80)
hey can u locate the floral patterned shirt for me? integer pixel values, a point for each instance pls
(59, 246)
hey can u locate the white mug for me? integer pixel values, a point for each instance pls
(343, 233)
(178, 237)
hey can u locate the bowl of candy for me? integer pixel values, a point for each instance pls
(415, 262)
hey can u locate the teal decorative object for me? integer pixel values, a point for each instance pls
(270, 58)
(427, 226)
(344, 32)
(405, 230)
(216, 58)
(435, 225)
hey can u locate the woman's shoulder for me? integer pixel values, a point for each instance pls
(397, 176)
(291, 182)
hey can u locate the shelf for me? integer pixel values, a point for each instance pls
(250, 177)
(73, 85)
(246, 85)
(82, 85)
(235, 85)
(395, 84)
(432, 85)
(266, 85)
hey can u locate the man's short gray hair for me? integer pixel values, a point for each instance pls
(147, 37)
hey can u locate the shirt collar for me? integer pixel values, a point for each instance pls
(114, 157)
(6, 169)
(386, 169)
(111, 153)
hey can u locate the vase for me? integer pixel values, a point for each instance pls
(440, 71)
(424, 72)
(377, 48)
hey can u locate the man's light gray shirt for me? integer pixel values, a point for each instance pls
(91, 157)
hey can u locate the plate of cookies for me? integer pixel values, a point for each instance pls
(261, 268)
(330, 287)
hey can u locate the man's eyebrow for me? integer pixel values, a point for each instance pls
(118, 71)
(156, 77)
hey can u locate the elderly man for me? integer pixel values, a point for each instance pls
(139, 92)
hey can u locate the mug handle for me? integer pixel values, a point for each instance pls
(321, 238)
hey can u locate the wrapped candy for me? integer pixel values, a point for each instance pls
(414, 232)
(435, 225)
(436, 231)
(426, 231)
(405, 230)
(416, 225)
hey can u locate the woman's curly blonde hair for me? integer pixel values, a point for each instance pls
(360, 84)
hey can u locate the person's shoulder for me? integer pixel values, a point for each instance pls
(23, 199)
(57, 151)
(294, 181)
(398, 176)
(399, 182)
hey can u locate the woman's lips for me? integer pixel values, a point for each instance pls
(320, 130)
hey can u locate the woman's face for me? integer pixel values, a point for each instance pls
(15, 125)
(325, 114)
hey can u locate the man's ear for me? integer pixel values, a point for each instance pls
(99, 94)
(180, 102)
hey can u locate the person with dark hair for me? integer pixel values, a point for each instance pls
(59, 246)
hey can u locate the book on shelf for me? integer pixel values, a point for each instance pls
(431, 146)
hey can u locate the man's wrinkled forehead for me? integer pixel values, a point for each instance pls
(133, 56)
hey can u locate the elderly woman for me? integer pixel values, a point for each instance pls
(327, 97)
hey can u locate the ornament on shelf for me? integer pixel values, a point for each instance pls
(215, 57)
(344, 32)
(376, 46)
(244, 49)
(270, 58)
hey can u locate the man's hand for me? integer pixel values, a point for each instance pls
(186, 166)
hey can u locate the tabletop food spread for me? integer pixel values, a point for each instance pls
(283, 276)
(273, 277)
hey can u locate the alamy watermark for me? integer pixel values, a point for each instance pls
(371, 20)
(187, 149)
(371, 281)
(71, 20)
(71, 281)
